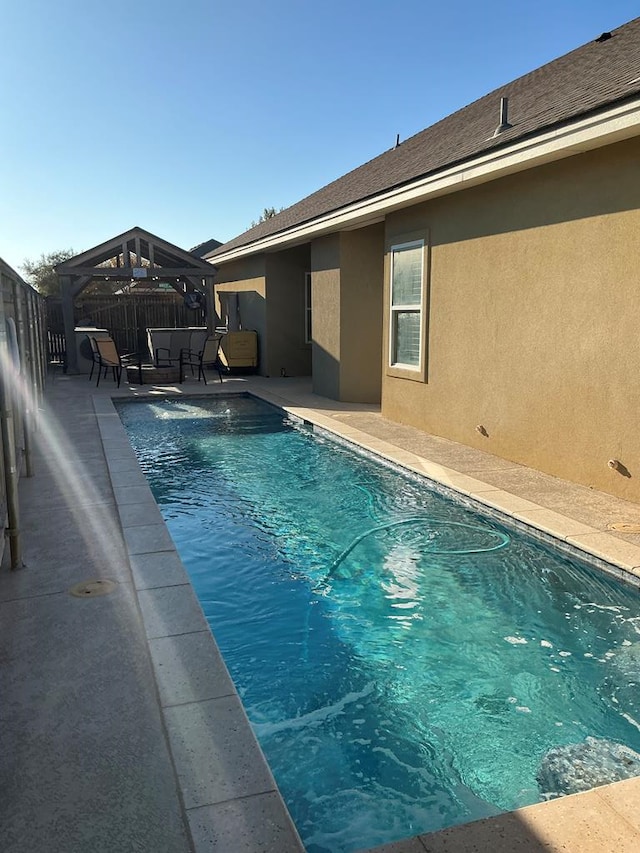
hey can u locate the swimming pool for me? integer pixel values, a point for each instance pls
(406, 664)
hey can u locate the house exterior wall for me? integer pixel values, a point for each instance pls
(347, 287)
(247, 277)
(271, 298)
(362, 284)
(533, 318)
(286, 346)
(326, 316)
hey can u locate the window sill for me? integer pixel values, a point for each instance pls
(413, 374)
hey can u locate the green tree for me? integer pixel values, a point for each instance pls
(267, 213)
(41, 273)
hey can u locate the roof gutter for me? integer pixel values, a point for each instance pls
(594, 131)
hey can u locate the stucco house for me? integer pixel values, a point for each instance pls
(481, 279)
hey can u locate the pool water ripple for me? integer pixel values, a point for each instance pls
(406, 663)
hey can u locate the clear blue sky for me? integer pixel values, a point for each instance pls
(188, 118)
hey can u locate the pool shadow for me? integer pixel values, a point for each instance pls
(505, 833)
(602, 819)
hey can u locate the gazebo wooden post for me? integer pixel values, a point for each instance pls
(211, 306)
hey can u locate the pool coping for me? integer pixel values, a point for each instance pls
(622, 559)
(223, 776)
(173, 618)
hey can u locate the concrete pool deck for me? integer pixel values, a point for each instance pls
(120, 728)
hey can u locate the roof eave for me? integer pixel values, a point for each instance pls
(621, 121)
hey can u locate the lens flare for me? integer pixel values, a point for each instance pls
(74, 480)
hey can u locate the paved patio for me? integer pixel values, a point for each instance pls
(119, 726)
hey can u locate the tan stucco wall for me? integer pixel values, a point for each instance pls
(242, 275)
(271, 292)
(347, 286)
(534, 318)
(286, 346)
(361, 332)
(325, 313)
(247, 277)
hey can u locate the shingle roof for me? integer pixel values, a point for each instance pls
(590, 78)
(202, 249)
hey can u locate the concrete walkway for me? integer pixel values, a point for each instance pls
(119, 727)
(85, 763)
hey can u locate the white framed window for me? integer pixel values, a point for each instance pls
(307, 308)
(406, 298)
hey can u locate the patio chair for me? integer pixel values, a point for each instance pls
(93, 349)
(179, 339)
(209, 356)
(106, 355)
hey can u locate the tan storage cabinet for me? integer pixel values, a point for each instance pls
(240, 349)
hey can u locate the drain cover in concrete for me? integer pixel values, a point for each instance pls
(91, 589)
(625, 527)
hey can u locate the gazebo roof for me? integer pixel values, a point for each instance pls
(131, 252)
(136, 255)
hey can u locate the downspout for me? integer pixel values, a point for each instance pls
(36, 354)
(9, 450)
(25, 375)
(40, 344)
(11, 477)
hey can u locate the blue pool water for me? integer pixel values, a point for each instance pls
(406, 663)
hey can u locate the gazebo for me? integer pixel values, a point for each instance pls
(134, 256)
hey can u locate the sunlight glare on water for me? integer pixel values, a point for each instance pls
(406, 663)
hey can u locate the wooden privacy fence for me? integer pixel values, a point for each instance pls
(126, 317)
